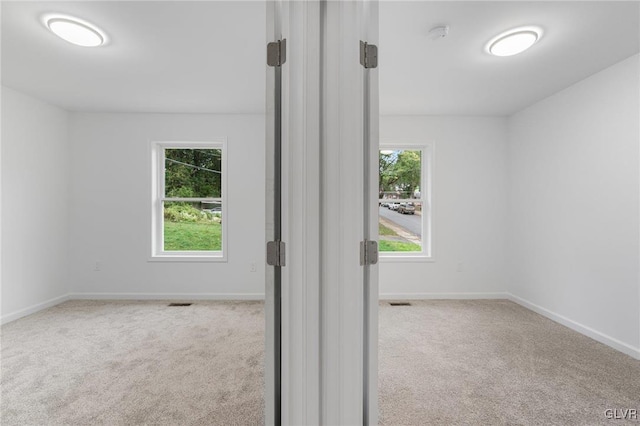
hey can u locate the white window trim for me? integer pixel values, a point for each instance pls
(157, 195)
(426, 188)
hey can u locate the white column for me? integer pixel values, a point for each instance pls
(345, 24)
(299, 24)
(301, 144)
(323, 211)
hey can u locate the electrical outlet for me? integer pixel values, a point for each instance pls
(460, 267)
(253, 267)
(98, 266)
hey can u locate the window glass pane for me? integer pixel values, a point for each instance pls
(192, 226)
(400, 174)
(400, 220)
(193, 173)
(400, 227)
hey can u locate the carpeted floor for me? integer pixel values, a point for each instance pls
(493, 362)
(132, 363)
(441, 362)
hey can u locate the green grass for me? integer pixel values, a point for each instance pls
(398, 246)
(383, 230)
(386, 245)
(185, 236)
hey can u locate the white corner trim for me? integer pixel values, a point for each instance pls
(33, 309)
(443, 296)
(575, 326)
(166, 296)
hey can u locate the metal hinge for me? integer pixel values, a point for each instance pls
(277, 53)
(368, 55)
(368, 252)
(276, 253)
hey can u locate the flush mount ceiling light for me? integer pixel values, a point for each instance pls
(75, 31)
(514, 41)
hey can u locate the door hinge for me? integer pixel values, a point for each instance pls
(276, 253)
(368, 252)
(277, 53)
(368, 55)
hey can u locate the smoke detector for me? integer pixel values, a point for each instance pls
(439, 32)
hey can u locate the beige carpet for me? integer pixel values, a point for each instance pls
(133, 363)
(496, 363)
(441, 362)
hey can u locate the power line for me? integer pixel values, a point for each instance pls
(192, 166)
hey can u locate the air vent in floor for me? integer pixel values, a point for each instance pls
(400, 303)
(180, 304)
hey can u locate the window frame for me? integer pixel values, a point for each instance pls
(157, 156)
(426, 198)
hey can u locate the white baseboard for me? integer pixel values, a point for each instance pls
(166, 296)
(582, 329)
(128, 296)
(430, 296)
(33, 309)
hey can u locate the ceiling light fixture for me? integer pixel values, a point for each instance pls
(514, 41)
(75, 31)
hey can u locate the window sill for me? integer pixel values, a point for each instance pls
(385, 258)
(188, 258)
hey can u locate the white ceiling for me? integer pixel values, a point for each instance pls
(189, 57)
(209, 56)
(455, 76)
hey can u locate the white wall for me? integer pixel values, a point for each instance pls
(35, 199)
(469, 204)
(111, 206)
(573, 208)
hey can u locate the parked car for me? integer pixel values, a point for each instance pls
(394, 206)
(216, 210)
(407, 208)
(385, 204)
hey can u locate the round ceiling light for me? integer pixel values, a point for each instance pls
(514, 41)
(76, 31)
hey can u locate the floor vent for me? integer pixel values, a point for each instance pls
(400, 303)
(180, 304)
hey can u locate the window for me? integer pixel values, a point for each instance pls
(188, 200)
(404, 202)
